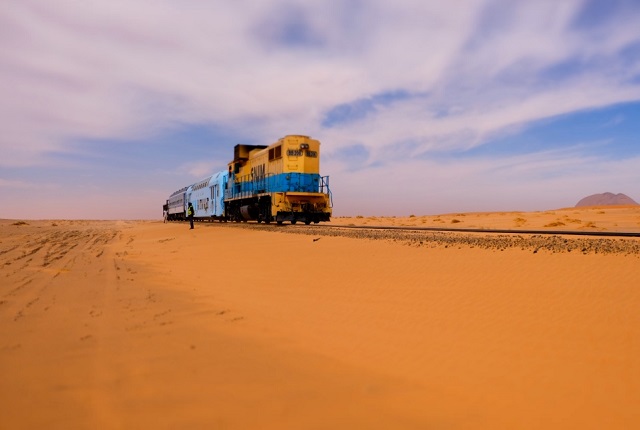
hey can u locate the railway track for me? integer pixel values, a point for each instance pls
(554, 241)
(444, 230)
(495, 231)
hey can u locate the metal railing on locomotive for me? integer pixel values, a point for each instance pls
(250, 185)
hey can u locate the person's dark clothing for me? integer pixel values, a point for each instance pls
(190, 215)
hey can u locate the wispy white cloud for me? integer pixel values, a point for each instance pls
(21, 185)
(109, 69)
(199, 169)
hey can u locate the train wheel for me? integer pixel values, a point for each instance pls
(307, 221)
(264, 209)
(294, 221)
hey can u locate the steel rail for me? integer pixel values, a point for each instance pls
(446, 229)
(492, 231)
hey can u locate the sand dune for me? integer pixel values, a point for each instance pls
(151, 325)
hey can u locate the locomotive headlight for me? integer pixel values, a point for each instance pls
(304, 146)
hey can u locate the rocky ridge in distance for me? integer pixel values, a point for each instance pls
(606, 199)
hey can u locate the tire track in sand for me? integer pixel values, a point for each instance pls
(31, 261)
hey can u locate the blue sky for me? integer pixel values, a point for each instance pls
(422, 107)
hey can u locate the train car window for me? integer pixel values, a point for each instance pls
(272, 153)
(278, 151)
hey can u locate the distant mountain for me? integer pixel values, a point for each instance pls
(606, 199)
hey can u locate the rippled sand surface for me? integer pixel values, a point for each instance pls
(150, 325)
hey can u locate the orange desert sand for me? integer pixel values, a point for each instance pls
(145, 325)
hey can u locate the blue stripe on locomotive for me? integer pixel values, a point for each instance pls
(283, 182)
(301, 182)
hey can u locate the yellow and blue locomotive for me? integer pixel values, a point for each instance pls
(279, 182)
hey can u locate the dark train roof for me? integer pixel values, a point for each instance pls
(241, 152)
(181, 190)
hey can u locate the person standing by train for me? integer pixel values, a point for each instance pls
(190, 214)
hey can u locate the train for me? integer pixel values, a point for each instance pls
(280, 182)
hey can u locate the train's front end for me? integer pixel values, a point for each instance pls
(280, 182)
(299, 192)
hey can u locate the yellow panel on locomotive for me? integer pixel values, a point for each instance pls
(279, 182)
